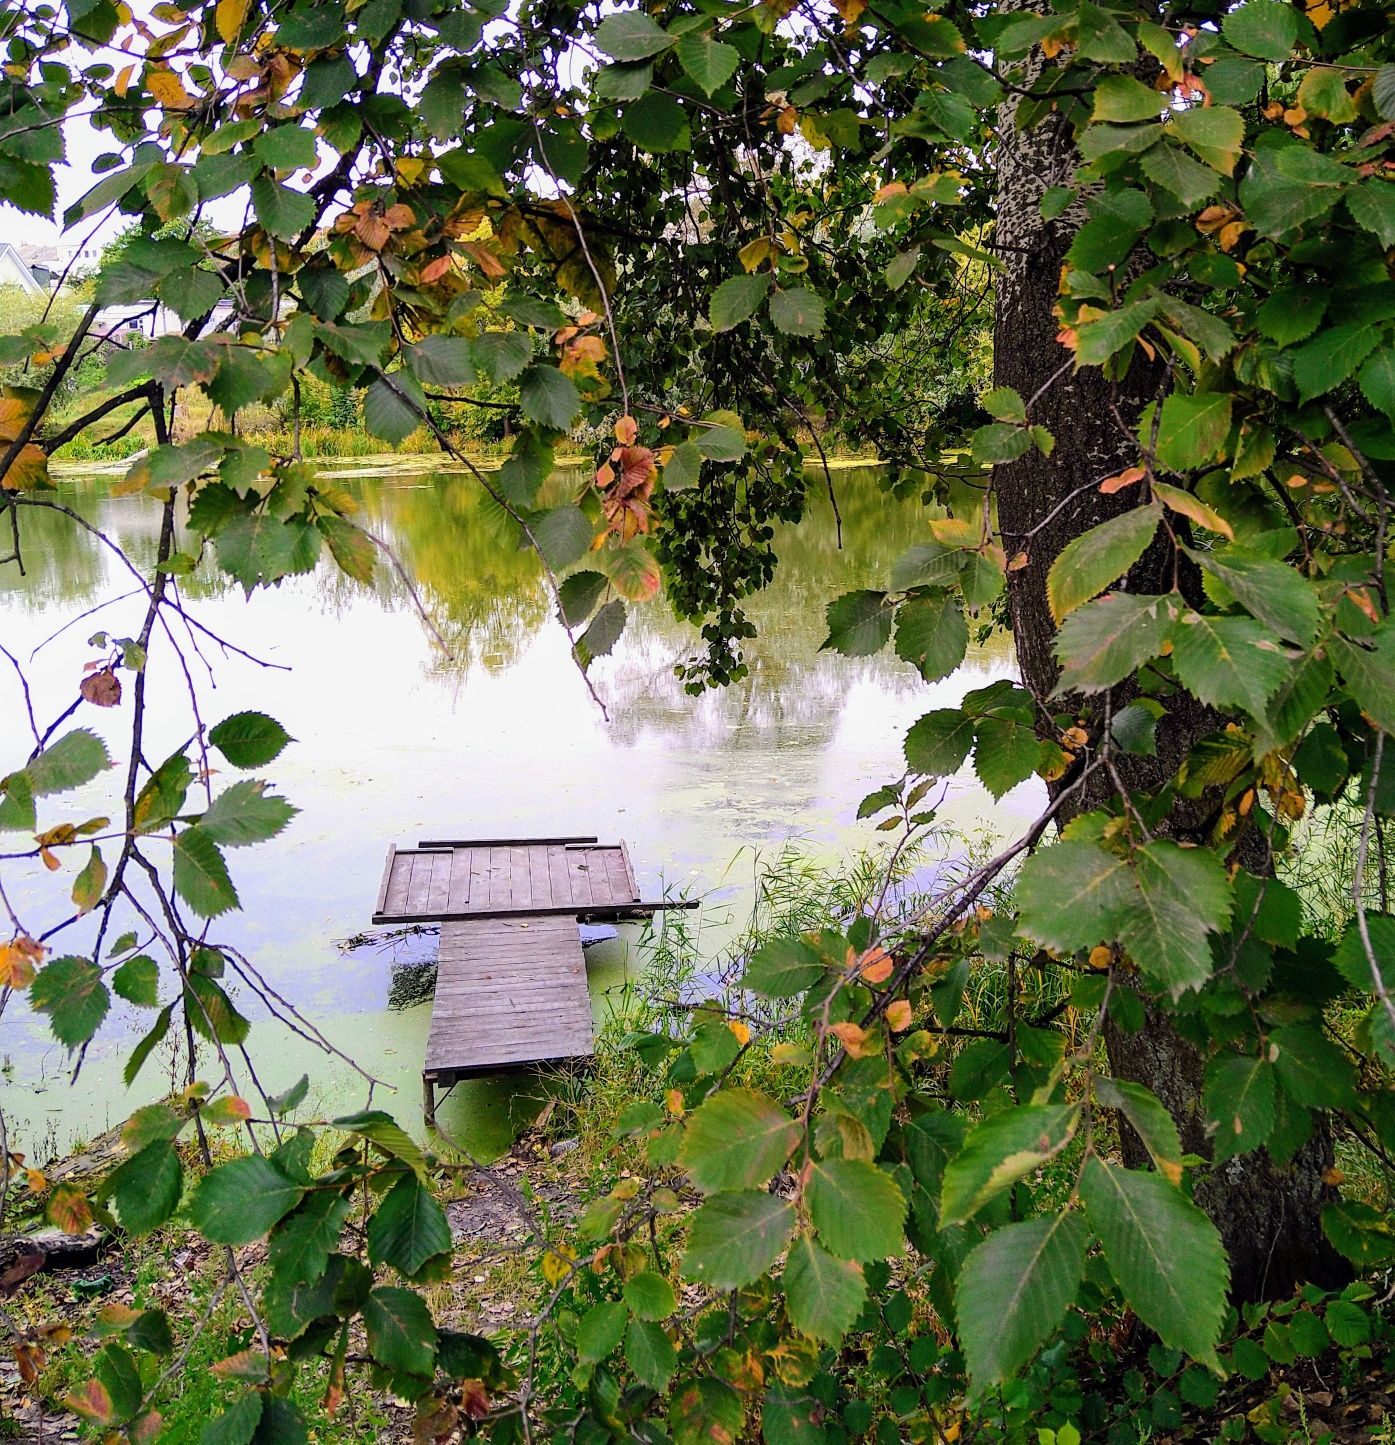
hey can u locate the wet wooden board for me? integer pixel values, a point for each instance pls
(504, 878)
(509, 992)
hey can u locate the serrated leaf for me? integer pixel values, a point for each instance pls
(859, 624)
(1163, 1252)
(1193, 429)
(857, 1209)
(201, 875)
(1097, 558)
(710, 63)
(631, 35)
(650, 1354)
(75, 759)
(249, 739)
(401, 1335)
(784, 966)
(1000, 1151)
(1228, 662)
(408, 1228)
(931, 634)
(71, 993)
(246, 813)
(938, 743)
(146, 1188)
(549, 397)
(1013, 1291)
(388, 407)
(1105, 641)
(657, 123)
(735, 1238)
(1277, 595)
(282, 211)
(823, 1295)
(1070, 895)
(736, 299)
(137, 981)
(736, 1139)
(797, 311)
(1239, 1104)
(383, 1131)
(1266, 29)
(1179, 897)
(240, 1201)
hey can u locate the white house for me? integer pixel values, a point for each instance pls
(16, 271)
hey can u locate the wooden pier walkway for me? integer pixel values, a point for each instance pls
(511, 977)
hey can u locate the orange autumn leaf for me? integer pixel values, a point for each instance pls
(1123, 479)
(898, 1016)
(875, 965)
(740, 1031)
(852, 1037)
(626, 431)
(16, 967)
(626, 500)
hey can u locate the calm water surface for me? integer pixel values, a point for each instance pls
(396, 740)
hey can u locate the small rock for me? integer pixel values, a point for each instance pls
(565, 1146)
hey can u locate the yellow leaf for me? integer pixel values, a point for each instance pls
(123, 80)
(230, 17)
(1194, 509)
(28, 471)
(16, 967)
(898, 1016)
(741, 1032)
(753, 253)
(168, 89)
(557, 1263)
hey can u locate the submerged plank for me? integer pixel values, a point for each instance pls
(509, 991)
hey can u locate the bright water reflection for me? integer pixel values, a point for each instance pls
(398, 741)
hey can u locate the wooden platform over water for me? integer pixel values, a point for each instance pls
(511, 977)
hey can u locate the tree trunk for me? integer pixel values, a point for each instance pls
(1268, 1216)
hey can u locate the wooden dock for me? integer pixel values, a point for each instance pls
(511, 977)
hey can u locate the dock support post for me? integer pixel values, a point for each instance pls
(428, 1100)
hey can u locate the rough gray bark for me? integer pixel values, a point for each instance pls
(1269, 1217)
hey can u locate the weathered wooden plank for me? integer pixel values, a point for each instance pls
(539, 880)
(629, 868)
(558, 877)
(579, 870)
(520, 887)
(624, 912)
(500, 879)
(509, 992)
(496, 842)
(438, 890)
(419, 889)
(617, 878)
(387, 878)
(458, 894)
(479, 877)
(396, 901)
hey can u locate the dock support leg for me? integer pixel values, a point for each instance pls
(428, 1100)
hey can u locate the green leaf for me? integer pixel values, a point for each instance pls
(711, 63)
(601, 1329)
(603, 633)
(631, 35)
(549, 397)
(146, 1046)
(939, 742)
(282, 211)
(1164, 1253)
(384, 1132)
(249, 739)
(1013, 1291)
(1377, 379)
(783, 967)
(1333, 356)
(1368, 669)
(304, 1239)
(656, 123)
(823, 1295)
(735, 300)
(201, 875)
(1193, 429)
(401, 1335)
(238, 1202)
(1276, 594)
(388, 409)
(238, 1424)
(1103, 642)
(999, 1152)
(1152, 1123)
(735, 1238)
(1070, 895)
(1171, 168)
(857, 1209)
(443, 361)
(351, 547)
(71, 992)
(1228, 662)
(578, 594)
(146, 1188)
(1239, 1104)
(286, 148)
(931, 634)
(1006, 753)
(859, 624)
(408, 1228)
(246, 813)
(736, 1139)
(75, 759)
(1180, 896)
(137, 981)
(1134, 728)
(1353, 961)
(650, 1354)
(650, 1296)
(1311, 1068)
(1097, 558)
(1121, 98)
(1215, 132)
(1372, 207)
(1266, 29)
(798, 311)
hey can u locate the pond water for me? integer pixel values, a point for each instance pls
(397, 740)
